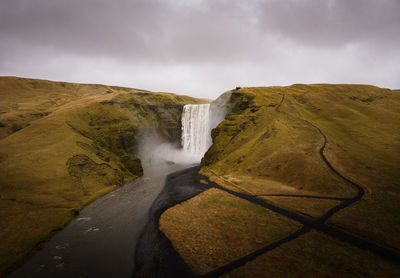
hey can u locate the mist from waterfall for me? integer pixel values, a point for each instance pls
(196, 131)
(197, 121)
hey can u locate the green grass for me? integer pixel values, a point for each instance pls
(258, 150)
(267, 152)
(81, 144)
(62, 145)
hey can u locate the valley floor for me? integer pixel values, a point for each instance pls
(100, 242)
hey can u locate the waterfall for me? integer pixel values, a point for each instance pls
(196, 137)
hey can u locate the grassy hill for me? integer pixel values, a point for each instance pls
(62, 145)
(269, 147)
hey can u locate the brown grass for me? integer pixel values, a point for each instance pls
(375, 217)
(215, 228)
(310, 207)
(316, 255)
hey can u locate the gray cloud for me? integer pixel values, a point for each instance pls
(334, 23)
(202, 47)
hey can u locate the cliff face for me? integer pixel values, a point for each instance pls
(118, 125)
(63, 145)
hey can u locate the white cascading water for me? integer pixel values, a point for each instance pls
(196, 138)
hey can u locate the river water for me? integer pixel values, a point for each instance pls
(100, 242)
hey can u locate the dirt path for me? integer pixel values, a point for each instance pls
(345, 202)
(308, 224)
(317, 224)
(176, 267)
(303, 196)
(156, 257)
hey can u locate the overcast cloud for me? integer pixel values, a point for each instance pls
(202, 47)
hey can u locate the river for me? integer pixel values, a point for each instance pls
(100, 242)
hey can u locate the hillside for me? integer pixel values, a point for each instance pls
(62, 145)
(323, 156)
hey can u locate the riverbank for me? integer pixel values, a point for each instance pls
(63, 145)
(100, 242)
(155, 256)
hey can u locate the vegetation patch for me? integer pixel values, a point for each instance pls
(268, 145)
(71, 148)
(215, 228)
(271, 145)
(316, 255)
(102, 154)
(24, 226)
(308, 206)
(376, 218)
(86, 171)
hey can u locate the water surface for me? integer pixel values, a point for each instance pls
(100, 242)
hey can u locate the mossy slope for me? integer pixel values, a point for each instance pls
(361, 123)
(265, 150)
(80, 143)
(268, 144)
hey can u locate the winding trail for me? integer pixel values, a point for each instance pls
(170, 197)
(303, 196)
(237, 263)
(309, 224)
(316, 224)
(345, 202)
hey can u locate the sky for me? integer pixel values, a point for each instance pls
(202, 48)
